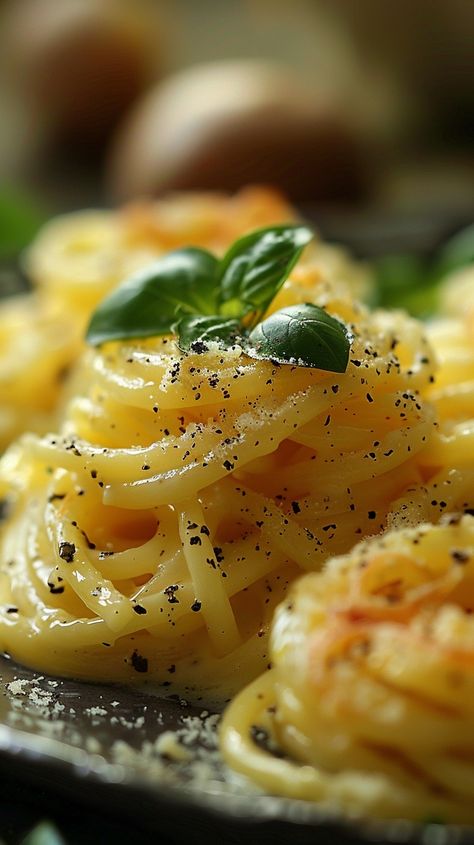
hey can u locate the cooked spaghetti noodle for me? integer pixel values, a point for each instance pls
(370, 697)
(155, 534)
(78, 258)
(447, 462)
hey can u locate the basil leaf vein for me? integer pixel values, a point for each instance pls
(303, 335)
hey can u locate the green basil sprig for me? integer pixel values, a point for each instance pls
(202, 300)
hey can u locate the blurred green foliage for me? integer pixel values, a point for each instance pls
(20, 219)
(44, 833)
(412, 282)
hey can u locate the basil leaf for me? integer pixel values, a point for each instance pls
(149, 302)
(195, 332)
(302, 335)
(255, 267)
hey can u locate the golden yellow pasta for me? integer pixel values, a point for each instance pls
(155, 533)
(447, 462)
(189, 486)
(36, 349)
(78, 258)
(370, 698)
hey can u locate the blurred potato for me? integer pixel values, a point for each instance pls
(79, 64)
(222, 125)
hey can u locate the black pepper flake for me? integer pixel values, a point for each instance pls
(199, 347)
(139, 663)
(460, 556)
(172, 669)
(369, 397)
(55, 497)
(138, 608)
(228, 465)
(55, 590)
(335, 388)
(12, 610)
(170, 593)
(67, 551)
(372, 514)
(195, 541)
(295, 507)
(145, 467)
(196, 606)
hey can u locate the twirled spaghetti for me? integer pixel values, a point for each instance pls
(157, 531)
(78, 258)
(371, 693)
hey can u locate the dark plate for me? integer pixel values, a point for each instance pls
(88, 753)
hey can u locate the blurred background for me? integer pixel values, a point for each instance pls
(362, 112)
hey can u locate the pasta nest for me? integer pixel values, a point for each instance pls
(183, 493)
(371, 694)
(78, 258)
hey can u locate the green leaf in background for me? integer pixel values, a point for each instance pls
(406, 281)
(147, 304)
(44, 834)
(457, 252)
(303, 335)
(20, 219)
(412, 282)
(256, 266)
(195, 332)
